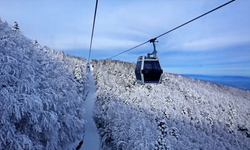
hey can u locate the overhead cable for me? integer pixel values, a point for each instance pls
(174, 28)
(93, 29)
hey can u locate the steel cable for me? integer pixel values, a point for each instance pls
(93, 29)
(174, 28)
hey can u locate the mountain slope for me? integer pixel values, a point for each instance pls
(42, 94)
(180, 113)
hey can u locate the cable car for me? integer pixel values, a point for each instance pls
(148, 68)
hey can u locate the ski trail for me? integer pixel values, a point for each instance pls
(91, 137)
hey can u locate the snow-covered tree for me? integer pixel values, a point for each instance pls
(35, 42)
(15, 26)
(42, 105)
(179, 113)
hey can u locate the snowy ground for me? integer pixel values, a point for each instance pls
(91, 139)
(180, 113)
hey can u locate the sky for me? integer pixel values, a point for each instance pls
(216, 44)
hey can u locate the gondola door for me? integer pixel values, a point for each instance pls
(152, 71)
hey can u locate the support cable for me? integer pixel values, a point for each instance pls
(93, 29)
(174, 28)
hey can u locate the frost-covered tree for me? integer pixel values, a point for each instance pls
(41, 101)
(15, 26)
(179, 113)
(35, 41)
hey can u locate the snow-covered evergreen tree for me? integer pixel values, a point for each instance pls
(15, 26)
(35, 42)
(41, 102)
(180, 113)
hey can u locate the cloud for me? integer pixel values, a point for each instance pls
(215, 42)
(136, 21)
(120, 25)
(83, 42)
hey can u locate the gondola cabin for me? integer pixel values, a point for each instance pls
(148, 70)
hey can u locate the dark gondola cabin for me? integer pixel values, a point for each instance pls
(148, 70)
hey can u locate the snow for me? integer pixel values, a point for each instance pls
(42, 94)
(91, 140)
(179, 113)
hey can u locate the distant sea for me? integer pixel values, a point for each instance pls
(234, 81)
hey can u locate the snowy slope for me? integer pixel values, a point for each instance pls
(180, 113)
(42, 94)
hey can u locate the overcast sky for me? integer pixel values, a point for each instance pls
(217, 44)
